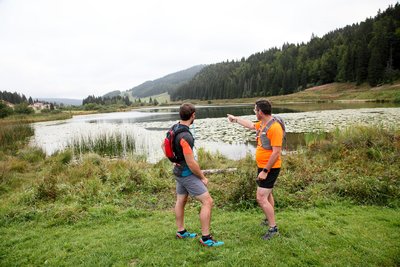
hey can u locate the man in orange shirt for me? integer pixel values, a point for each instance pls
(190, 179)
(269, 140)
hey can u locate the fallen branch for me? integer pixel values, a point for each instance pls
(213, 171)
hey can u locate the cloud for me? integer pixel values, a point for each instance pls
(71, 48)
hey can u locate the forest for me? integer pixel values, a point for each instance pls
(366, 52)
(15, 98)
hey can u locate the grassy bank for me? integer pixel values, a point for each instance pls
(37, 117)
(337, 203)
(344, 92)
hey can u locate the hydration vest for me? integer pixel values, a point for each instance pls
(262, 133)
(173, 150)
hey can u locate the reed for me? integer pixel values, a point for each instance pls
(314, 138)
(11, 136)
(110, 145)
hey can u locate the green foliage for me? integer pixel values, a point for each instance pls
(23, 108)
(167, 84)
(5, 110)
(91, 106)
(91, 102)
(47, 189)
(326, 197)
(32, 155)
(50, 111)
(364, 52)
(13, 136)
(13, 98)
(64, 157)
(397, 98)
(115, 145)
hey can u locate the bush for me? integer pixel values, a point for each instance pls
(397, 98)
(92, 106)
(32, 155)
(23, 108)
(5, 110)
(47, 189)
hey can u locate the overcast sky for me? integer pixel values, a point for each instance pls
(76, 48)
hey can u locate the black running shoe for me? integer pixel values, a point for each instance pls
(273, 231)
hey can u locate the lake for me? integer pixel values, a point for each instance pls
(211, 129)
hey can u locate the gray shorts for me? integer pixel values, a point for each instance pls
(191, 185)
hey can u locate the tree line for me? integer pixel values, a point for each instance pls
(364, 52)
(21, 105)
(99, 100)
(15, 98)
(95, 102)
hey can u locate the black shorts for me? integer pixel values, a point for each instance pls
(270, 180)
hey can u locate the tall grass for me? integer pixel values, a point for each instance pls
(13, 136)
(36, 117)
(337, 203)
(397, 98)
(314, 138)
(111, 145)
(360, 164)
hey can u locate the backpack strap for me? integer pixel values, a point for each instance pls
(180, 131)
(262, 133)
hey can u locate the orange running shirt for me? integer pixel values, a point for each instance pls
(186, 147)
(275, 135)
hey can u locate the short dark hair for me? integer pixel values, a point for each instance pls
(186, 110)
(264, 105)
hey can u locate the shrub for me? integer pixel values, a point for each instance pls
(47, 189)
(5, 110)
(23, 108)
(32, 155)
(397, 98)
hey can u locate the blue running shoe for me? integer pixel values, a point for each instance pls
(185, 235)
(211, 242)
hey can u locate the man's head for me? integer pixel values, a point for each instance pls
(186, 112)
(264, 106)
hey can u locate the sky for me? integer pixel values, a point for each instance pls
(77, 48)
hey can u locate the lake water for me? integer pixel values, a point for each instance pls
(211, 128)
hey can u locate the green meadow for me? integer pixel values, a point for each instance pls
(337, 204)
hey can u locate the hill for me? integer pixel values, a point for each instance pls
(64, 101)
(343, 92)
(167, 83)
(332, 92)
(366, 52)
(112, 94)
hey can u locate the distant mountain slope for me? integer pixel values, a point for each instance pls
(167, 83)
(65, 101)
(112, 94)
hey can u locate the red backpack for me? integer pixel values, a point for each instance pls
(170, 151)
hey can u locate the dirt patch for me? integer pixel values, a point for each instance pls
(319, 88)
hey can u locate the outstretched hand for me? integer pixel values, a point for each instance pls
(231, 118)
